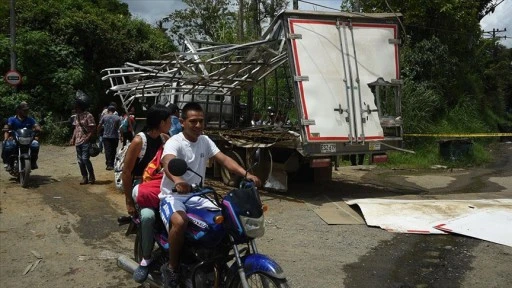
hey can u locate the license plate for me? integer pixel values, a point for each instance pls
(328, 148)
(374, 146)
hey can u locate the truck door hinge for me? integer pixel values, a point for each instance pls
(301, 78)
(294, 36)
(307, 122)
(395, 41)
(397, 81)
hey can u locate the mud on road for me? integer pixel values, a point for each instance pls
(58, 233)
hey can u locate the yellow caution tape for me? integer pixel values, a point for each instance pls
(469, 135)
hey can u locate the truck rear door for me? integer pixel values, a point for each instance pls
(334, 61)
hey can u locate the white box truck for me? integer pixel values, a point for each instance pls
(343, 76)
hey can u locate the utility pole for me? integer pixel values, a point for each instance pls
(495, 37)
(256, 18)
(12, 23)
(273, 10)
(357, 6)
(241, 20)
(494, 32)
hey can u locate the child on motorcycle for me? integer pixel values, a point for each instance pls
(195, 148)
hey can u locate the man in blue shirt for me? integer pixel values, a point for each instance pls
(110, 124)
(19, 121)
(175, 120)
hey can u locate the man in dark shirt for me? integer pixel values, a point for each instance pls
(19, 121)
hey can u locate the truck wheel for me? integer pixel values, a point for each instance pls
(229, 178)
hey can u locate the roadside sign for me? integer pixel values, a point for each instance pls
(13, 77)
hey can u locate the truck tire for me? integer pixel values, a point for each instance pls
(229, 178)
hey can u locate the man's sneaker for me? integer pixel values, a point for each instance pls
(7, 167)
(170, 278)
(84, 181)
(141, 274)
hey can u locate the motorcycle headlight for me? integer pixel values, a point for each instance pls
(24, 140)
(254, 227)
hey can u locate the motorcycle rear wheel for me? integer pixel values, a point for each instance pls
(258, 279)
(25, 172)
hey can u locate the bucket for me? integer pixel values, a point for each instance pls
(455, 149)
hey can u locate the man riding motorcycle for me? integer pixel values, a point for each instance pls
(19, 121)
(195, 148)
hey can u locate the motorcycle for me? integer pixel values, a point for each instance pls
(20, 161)
(220, 245)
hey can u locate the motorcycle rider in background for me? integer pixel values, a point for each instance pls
(19, 121)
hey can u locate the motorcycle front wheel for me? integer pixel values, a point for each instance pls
(25, 172)
(260, 280)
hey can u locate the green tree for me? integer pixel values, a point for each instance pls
(203, 19)
(218, 20)
(62, 45)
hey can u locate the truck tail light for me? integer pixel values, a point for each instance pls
(320, 162)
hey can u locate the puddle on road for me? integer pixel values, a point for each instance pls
(430, 181)
(413, 261)
(97, 217)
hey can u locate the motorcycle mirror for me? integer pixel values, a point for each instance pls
(257, 156)
(177, 167)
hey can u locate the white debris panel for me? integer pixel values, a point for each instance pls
(483, 219)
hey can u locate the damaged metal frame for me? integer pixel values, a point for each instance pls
(212, 72)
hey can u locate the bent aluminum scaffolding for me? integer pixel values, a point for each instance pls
(211, 74)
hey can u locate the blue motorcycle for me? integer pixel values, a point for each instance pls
(220, 244)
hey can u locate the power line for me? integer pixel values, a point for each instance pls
(492, 34)
(314, 4)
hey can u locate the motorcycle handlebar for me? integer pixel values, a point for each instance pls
(247, 184)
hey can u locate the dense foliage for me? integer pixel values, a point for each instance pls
(62, 46)
(224, 21)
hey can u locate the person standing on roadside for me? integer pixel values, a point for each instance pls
(110, 123)
(100, 134)
(84, 128)
(175, 120)
(357, 159)
(131, 117)
(126, 129)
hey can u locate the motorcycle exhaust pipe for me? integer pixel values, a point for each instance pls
(124, 262)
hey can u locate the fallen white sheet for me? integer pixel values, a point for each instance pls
(420, 216)
(491, 225)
